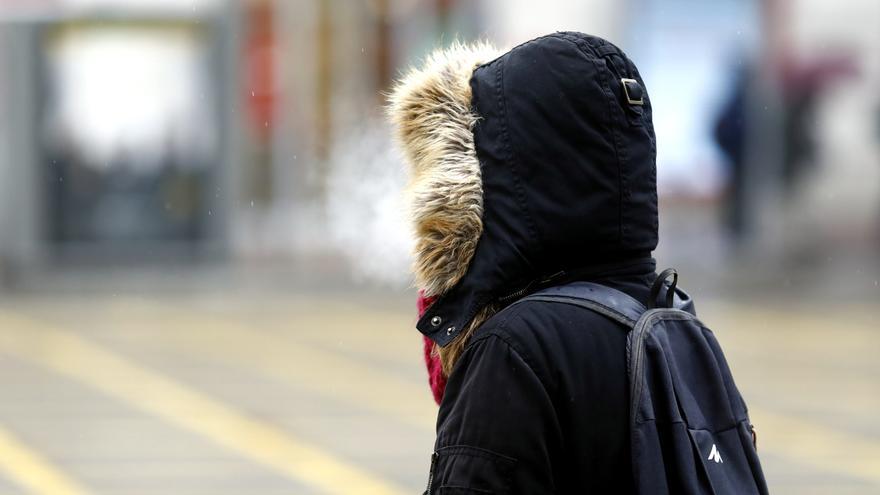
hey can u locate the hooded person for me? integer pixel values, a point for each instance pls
(529, 169)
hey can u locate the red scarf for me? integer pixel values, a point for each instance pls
(432, 361)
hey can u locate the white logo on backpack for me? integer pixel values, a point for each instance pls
(715, 455)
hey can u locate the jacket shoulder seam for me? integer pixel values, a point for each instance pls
(500, 333)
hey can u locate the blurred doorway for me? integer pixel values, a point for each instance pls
(128, 133)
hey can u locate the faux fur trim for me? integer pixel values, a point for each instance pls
(430, 108)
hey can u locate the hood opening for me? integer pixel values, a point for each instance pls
(525, 167)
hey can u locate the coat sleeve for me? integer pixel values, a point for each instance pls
(497, 429)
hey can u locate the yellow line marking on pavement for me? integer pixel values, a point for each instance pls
(799, 440)
(31, 471)
(775, 436)
(154, 393)
(288, 360)
(804, 441)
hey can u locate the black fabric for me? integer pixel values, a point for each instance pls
(543, 386)
(538, 402)
(568, 171)
(690, 429)
(690, 432)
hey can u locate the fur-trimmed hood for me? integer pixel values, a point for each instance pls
(432, 114)
(524, 167)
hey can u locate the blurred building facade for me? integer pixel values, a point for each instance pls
(118, 142)
(144, 130)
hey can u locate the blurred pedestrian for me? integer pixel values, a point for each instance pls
(730, 134)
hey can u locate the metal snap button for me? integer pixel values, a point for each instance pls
(436, 321)
(450, 330)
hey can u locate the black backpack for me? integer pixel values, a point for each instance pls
(689, 426)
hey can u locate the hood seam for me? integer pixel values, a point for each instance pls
(592, 55)
(513, 165)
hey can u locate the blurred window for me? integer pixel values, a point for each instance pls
(129, 130)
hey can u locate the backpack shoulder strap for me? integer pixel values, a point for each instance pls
(604, 300)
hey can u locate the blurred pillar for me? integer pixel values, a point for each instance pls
(324, 90)
(260, 95)
(761, 194)
(443, 12)
(22, 213)
(383, 47)
(774, 27)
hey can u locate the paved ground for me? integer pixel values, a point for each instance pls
(259, 393)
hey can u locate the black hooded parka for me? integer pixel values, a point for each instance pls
(537, 403)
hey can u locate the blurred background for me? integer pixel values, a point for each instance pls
(203, 262)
